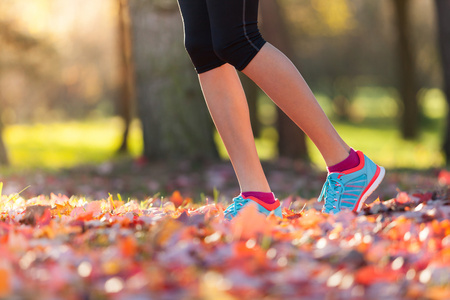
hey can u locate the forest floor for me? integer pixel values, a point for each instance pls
(139, 230)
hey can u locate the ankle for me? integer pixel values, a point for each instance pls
(335, 155)
(350, 162)
(263, 196)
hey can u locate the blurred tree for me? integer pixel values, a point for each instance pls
(443, 14)
(126, 72)
(329, 49)
(407, 72)
(70, 73)
(16, 54)
(4, 161)
(291, 142)
(175, 120)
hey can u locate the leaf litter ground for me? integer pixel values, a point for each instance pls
(56, 247)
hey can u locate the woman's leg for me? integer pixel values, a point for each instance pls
(228, 107)
(352, 176)
(229, 33)
(287, 88)
(221, 86)
(236, 39)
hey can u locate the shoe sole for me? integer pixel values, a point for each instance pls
(261, 209)
(277, 212)
(375, 182)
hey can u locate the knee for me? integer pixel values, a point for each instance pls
(224, 51)
(202, 54)
(196, 48)
(238, 52)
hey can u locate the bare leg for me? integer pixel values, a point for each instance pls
(228, 107)
(283, 83)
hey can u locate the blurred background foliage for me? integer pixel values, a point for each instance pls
(77, 78)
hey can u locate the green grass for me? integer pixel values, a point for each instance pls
(57, 145)
(373, 130)
(386, 147)
(378, 138)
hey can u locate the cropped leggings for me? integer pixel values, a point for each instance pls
(221, 31)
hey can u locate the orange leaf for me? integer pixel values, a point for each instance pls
(371, 274)
(311, 219)
(5, 283)
(62, 209)
(402, 198)
(177, 199)
(128, 246)
(250, 223)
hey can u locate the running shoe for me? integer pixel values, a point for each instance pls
(240, 202)
(350, 189)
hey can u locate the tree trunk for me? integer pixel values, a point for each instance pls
(443, 16)
(175, 119)
(126, 76)
(292, 142)
(4, 161)
(407, 72)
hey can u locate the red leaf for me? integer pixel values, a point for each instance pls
(45, 218)
(37, 215)
(444, 177)
(402, 198)
(423, 197)
(372, 274)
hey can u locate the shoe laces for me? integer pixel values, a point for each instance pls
(238, 203)
(331, 192)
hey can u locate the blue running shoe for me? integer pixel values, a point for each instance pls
(240, 202)
(350, 189)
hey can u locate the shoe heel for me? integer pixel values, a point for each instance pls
(378, 178)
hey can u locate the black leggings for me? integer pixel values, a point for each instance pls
(221, 31)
